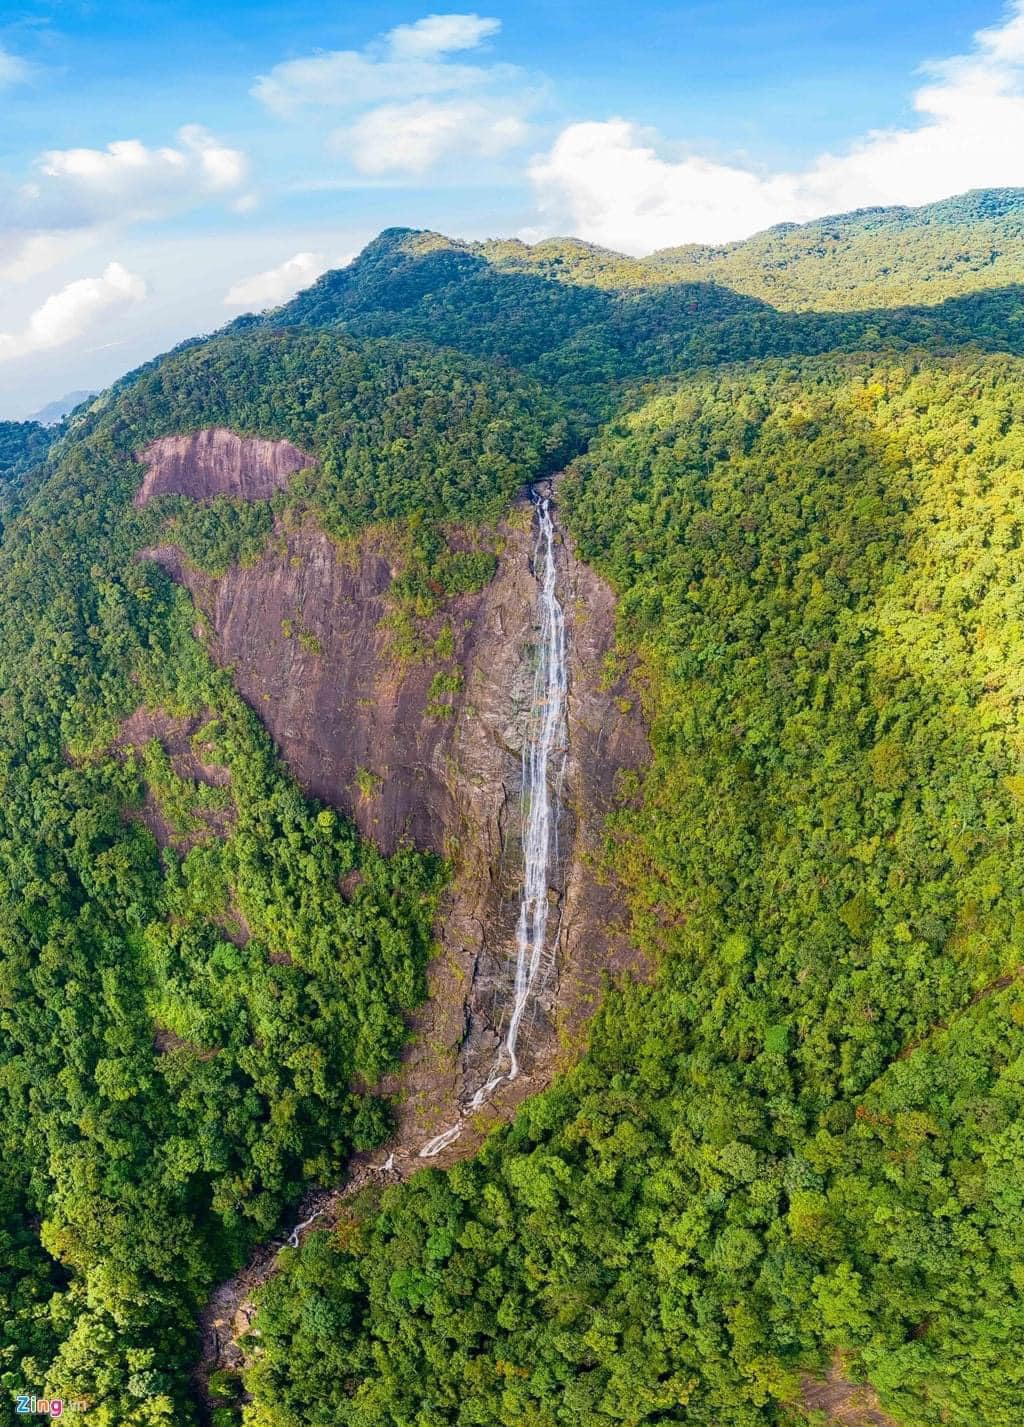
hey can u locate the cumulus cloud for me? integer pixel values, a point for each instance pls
(440, 34)
(409, 61)
(615, 184)
(80, 197)
(69, 313)
(76, 196)
(129, 180)
(276, 285)
(411, 138)
(410, 103)
(25, 256)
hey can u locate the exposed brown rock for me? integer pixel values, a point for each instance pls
(340, 708)
(166, 1042)
(176, 735)
(470, 983)
(205, 464)
(350, 883)
(234, 926)
(844, 1403)
(606, 738)
(356, 728)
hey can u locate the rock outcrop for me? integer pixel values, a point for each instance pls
(305, 635)
(213, 462)
(836, 1400)
(305, 632)
(177, 738)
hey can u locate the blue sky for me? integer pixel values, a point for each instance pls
(164, 166)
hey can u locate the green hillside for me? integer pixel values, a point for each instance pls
(23, 444)
(592, 325)
(778, 1148)
(165, 1093)
(875, 258)
(799, 461)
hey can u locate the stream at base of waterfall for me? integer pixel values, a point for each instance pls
(543, 769)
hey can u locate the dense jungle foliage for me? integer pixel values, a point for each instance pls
(23, 444)
(878, 257)
(776, 1150)
(804, 1137)
(591, 325)
(181, 1030)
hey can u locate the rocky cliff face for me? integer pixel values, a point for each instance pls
(205, 464)
(303, 631)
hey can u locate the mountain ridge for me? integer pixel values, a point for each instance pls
(785, 1160)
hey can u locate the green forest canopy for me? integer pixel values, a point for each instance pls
(798, 460)
(877, 257)
(775, 1150)
(165, 1092)
(594, 327)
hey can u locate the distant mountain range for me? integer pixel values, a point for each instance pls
(54, 412)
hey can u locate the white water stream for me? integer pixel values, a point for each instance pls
(544, 756)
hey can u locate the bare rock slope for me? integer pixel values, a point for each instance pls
(213, 462)
(305, 634)
(837, 1401)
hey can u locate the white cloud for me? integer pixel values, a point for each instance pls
(409, 62)
(77, 198)
(440, 34)
(13, 69)
(276, 285)
(410, 105)
(68, 313)
(609, 182)
(219, 167)
(609, 186)
(128, 180)
(411, 138)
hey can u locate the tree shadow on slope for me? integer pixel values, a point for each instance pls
(590, 341)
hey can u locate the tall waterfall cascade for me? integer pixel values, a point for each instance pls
(545, 751)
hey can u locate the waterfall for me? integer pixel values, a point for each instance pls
(543, 770)
(546, 742)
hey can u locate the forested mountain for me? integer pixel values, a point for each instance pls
(23, 444)
(878, 257)
(590, 323)
(792, 1143)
